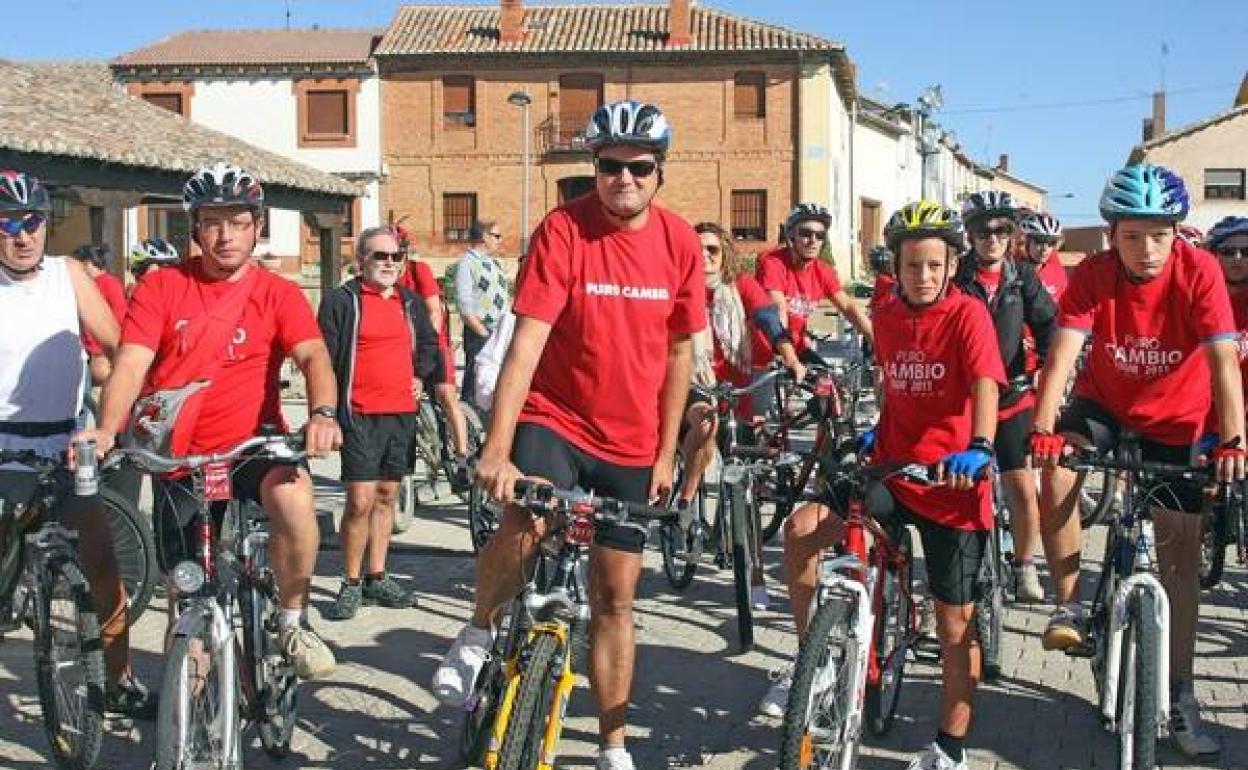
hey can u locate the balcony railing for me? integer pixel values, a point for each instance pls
(555, 136)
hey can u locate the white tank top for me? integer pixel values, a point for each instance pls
(42, 363)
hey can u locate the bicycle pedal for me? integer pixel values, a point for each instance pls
(1085, 649)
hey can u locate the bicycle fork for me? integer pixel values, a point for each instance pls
(222, 654)
(561, 693)
(832, 580)
(1120, 615)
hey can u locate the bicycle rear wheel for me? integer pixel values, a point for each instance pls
(405, 505)
(69, 665)
(1137, 687)
(742, 559)
(816, 732)
(681, 548)
(190, 731)
(894, 627)
(135, 548)
(534, 707)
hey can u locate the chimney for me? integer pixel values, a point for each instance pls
(511, 21)
(1241, 98)
(679, 23)
(1159, 113)
(1003, 163)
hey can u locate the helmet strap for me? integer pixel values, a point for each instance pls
(14, 272)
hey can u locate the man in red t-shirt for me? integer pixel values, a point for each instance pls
(1228, 240)
(380, 340)
(940, 373)
(419, 278)
(272, 320)
(591, 394)
(797, 279)
(1161, 324)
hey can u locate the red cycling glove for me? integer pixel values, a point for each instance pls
(1045, 444)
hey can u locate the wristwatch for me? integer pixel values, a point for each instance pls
(324, 411)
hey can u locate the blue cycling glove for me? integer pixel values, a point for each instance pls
(970, 461)
(1207, 444)
(866, 442)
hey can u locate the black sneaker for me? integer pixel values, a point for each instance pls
(348, 602)
(129, 697)
(388, 593)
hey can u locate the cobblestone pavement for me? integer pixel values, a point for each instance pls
(694, 699)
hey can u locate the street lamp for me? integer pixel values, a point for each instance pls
(929, 133)
(523, 100)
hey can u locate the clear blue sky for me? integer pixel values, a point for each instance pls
(1002, 65)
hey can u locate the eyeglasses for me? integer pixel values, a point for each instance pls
(640, 169)
(1231, 252)
(814, 235)
(29, 223)
(712, 250)
(388, 256)
(496, 235)
(1003, 231)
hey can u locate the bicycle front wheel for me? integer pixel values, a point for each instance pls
(534, 708)
(742, 559)
(191, 732)
(817, 732)
(69, 666)
(274, 685)
(1137, 687)
(682, 549)
(135, 548)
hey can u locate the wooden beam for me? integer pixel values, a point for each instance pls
(328, 227)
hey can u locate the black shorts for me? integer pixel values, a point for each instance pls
(539, 451)
(378, 447)
(1012, 443)
(953, 557)
(1089, 419)
(173, 520)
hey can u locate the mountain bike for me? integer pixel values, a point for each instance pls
(42, 585)
(1128, 633)
(863, 621)
(133, 542)
(435, 447)
(218, 683)
(514, 717)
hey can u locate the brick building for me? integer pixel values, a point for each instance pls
(755, 111)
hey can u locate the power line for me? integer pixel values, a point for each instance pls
(1082, 103)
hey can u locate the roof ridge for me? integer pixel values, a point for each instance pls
(234, 30)
(1193, 127)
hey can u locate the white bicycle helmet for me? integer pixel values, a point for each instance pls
(222, 184)
(20, 192)
(628, 122)
(153, 252)
(1041, 227)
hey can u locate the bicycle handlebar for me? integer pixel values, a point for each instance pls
(727, 391)
(282, 446)
(540, 496)
(1088, 459)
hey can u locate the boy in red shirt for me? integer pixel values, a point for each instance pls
(273, 321)
(941, 371)
(1161, 325)
(1042, 239)
(591, 394)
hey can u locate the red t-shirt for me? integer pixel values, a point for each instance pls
(114, 292)
(928, 359)
(885, 287)
(803, 285)
(1145, 365)
(244, 395)
(381, 382)
(1239, 306)
(419, 279)
(753, 299)
(612, 298)
(990, 280)
(1053, 275)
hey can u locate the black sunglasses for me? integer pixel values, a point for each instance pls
(988, 232)
(388, 256)
(806, 232)
(1231, 252)
(30, 223)
(640, 169)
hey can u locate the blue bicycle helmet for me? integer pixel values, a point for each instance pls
(1224, 228)
(1145, 191)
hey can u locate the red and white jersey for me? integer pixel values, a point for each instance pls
(1145, 364)
(804, 284)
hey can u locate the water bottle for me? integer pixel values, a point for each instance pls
(86, 469)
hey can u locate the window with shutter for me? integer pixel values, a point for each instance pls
(327, 111)
(327, 114)
(580, 93)
(749, 95)
(171, 102)
(749, 215)
(1224, 184)
(459, 211)
(459, 101)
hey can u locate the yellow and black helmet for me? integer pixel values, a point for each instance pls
(925, 219)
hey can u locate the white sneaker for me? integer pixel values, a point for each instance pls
(759, 598)
(614, 758)
(934, 758)
(455, 679)
(1185, 729)
(777, 698)
(307, 652)
(1027, 586)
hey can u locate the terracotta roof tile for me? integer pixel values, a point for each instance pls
(435, 29)
(255, 47)
(77, 110)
